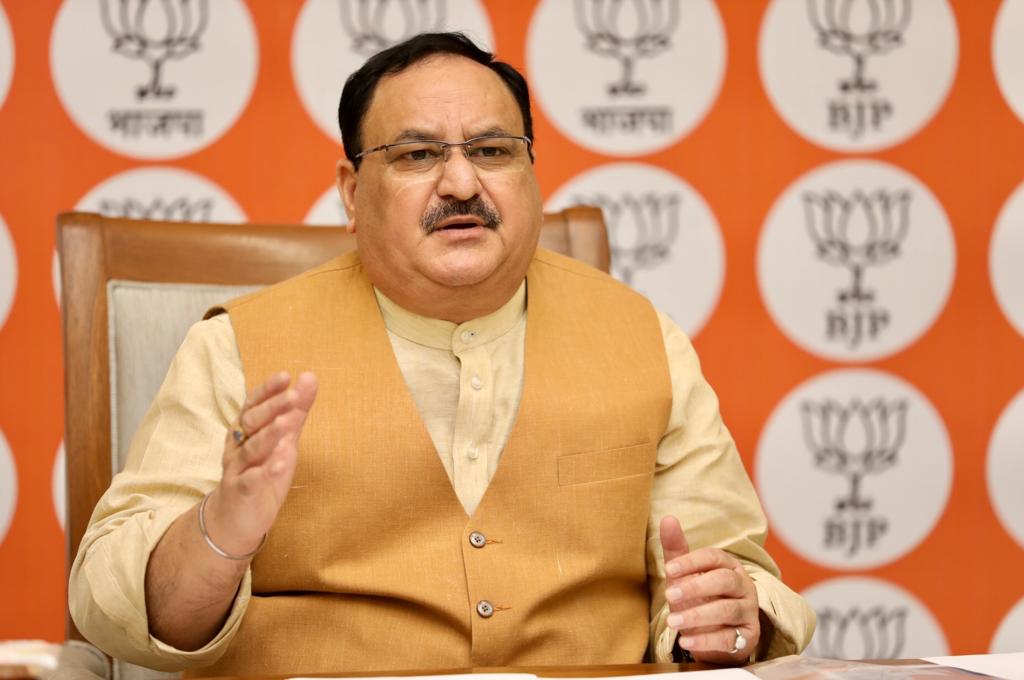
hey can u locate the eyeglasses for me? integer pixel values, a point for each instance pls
(491, 152)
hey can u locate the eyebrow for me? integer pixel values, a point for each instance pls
(495, 131)
(414, 135)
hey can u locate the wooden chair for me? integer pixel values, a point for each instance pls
(132, 288)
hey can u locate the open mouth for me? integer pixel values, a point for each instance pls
(459, 222)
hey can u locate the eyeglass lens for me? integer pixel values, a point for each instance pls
(486, 153)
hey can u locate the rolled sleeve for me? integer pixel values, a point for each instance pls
(700, 479)
(174, 460)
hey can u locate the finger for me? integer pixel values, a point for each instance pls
(271, 386)
(255, 450)
(306, 386)
(283, 429)
(258, 415)
(714, 584)
(259, 447)
(282, 458)
(705, 559)
(731, 612)
(673, 540)
(673, 545)
(721, 640)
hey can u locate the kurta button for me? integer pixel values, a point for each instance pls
(476, 382)
(485, 609)
(477, 540)
(467, 336)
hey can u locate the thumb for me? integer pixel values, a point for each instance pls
(673, 540)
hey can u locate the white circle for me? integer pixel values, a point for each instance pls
(808, 49)
(58, 487)
(854, 468)
(8, 272)
(138, 92)
(332, 38)
(867, 618)
(626, 78)
(6, 55)
(1008, 53)
(1005, 468)
(8, 487)
(1009, 637)
(327, 211)
(1006, 252)
(162, 193)
(856, 260)
(665, 240)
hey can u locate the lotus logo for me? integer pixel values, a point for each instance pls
(372, 23)
(855, 440)
(641, 229)
(177, 210)
(627, 30)
(155, 31)
(857, 231)
(859, 29)
(872, 633)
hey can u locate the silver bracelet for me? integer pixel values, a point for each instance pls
(213, 546)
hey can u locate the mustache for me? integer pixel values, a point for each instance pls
(475, 206)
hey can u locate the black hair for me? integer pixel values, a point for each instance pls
(360, 86)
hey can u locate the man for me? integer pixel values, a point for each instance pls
(571, 421)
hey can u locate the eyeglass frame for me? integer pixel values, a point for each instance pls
(445, 146)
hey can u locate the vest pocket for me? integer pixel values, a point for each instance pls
(599, 466)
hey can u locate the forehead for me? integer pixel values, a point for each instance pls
(443, 95)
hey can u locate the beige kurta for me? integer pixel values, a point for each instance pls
(466, 381)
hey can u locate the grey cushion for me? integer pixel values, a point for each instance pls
(147, 323)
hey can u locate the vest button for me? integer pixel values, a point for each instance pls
(485, 609)
(477, 540)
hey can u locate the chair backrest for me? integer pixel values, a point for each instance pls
(132, 288)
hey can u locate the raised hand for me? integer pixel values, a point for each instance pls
(259, 460)
(712, 600)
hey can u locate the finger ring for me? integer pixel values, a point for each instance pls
(238, 436)
(740, 644)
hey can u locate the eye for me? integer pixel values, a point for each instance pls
(491, 149)
(420, 154)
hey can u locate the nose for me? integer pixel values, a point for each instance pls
(459, 178)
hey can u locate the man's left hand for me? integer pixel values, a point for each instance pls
(712, 600)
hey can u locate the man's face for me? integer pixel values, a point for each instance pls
(407, 240)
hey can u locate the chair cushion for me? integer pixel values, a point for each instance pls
(142, 345)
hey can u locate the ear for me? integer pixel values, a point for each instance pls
(345, 178)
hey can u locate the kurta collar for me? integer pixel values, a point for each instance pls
(441, 334)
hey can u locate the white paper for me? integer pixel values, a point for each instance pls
(1006, 666)
(454, 676)
(36, 655)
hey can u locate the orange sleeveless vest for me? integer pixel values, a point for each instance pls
(374, 565)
